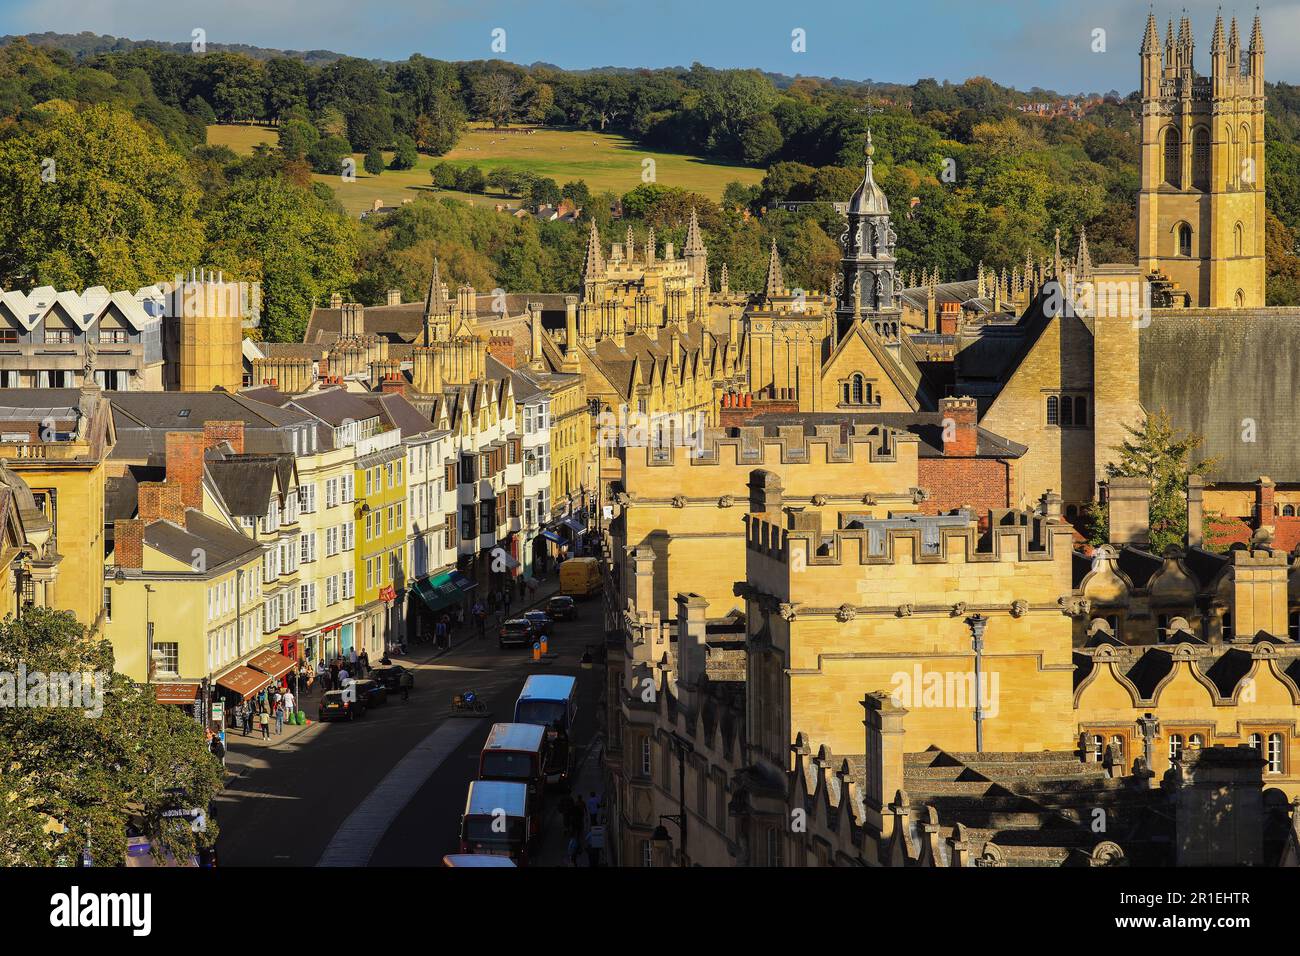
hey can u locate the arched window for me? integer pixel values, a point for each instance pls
(1081, 411)
(1173, 158)
(1201, 158)
(1098, 747)
(1184, 233)
(1274, 753)
(1246, 164)
(1288, 511)
(1240, 299)
(1238, 240)
(1254, 742)
(1053, 405)
(1175, 746)
(1197, 741)
(1067, 410)
(858, 392)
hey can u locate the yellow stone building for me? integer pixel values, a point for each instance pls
(1201, 206)
(57, 441)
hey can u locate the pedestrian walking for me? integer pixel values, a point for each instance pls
(264, 721)
(363, 661)
(440, 633)
(290, 703)
(593, 809)
(595, 843)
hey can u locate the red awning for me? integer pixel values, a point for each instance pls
(244, 681)
(272, 663)
(176, 693)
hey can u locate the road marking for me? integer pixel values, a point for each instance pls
(355, 841)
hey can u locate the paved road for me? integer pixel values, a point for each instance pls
(388, 790)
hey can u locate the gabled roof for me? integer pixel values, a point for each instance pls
(219, 543)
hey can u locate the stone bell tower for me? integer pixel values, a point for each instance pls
(1201, 202)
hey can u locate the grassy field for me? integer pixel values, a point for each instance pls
(604, 161)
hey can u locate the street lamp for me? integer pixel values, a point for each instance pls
(661, 837)
(977, 623)
(148, 636)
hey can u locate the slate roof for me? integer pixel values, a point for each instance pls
(336, 406)
(219, 543)
(246, 482)
(405, 322)
(1214, 369)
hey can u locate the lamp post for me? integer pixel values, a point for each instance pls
(682, 746)
(977, 623)
(148, 637)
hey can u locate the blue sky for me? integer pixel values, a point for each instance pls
(1025, 43)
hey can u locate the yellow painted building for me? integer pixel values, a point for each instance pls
(57, 441)
(381, 531)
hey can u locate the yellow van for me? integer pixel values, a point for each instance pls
(580, 577)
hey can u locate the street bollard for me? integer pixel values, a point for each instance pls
(543, 643)
(537, 651)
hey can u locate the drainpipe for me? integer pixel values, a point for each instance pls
(977, 623)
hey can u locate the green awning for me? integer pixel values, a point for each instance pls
(438, 592)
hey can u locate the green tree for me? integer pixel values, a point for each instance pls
(444, 176)
(326, 155)
(470, 179)
(405, 155)
(374, 161)
(90, 773)
(297, 137)
(543, 192)
(1158, 451)
(91, 197)
(577, 192)
(292, 240)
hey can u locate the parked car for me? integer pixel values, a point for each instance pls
(370, 693)
(517, 631)
(393, 677)
(541, 621)
(336, 705)
(562, 608)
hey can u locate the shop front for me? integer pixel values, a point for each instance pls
(180, 694)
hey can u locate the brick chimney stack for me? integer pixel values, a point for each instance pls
(185, 465)
(1265, 504)
(960, 429)
(128, 543)
(215, 432)
(160, 501)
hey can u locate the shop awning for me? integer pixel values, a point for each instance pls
(439, 591)
(463, 582)
(575, 525)
(550, 535)
(272, 663)
(244, 681)
(176, 693)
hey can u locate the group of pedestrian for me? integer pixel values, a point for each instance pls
(584, 826)
(339, 671)
(270, 707)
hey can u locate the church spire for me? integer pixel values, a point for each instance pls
(1151, 41)
(775, 284)
(694, 244)
(1257, 35)
(1083, 258)
(595, 264)
(629, 253)
(435, 303)
(724, 281)
(1216, 41)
